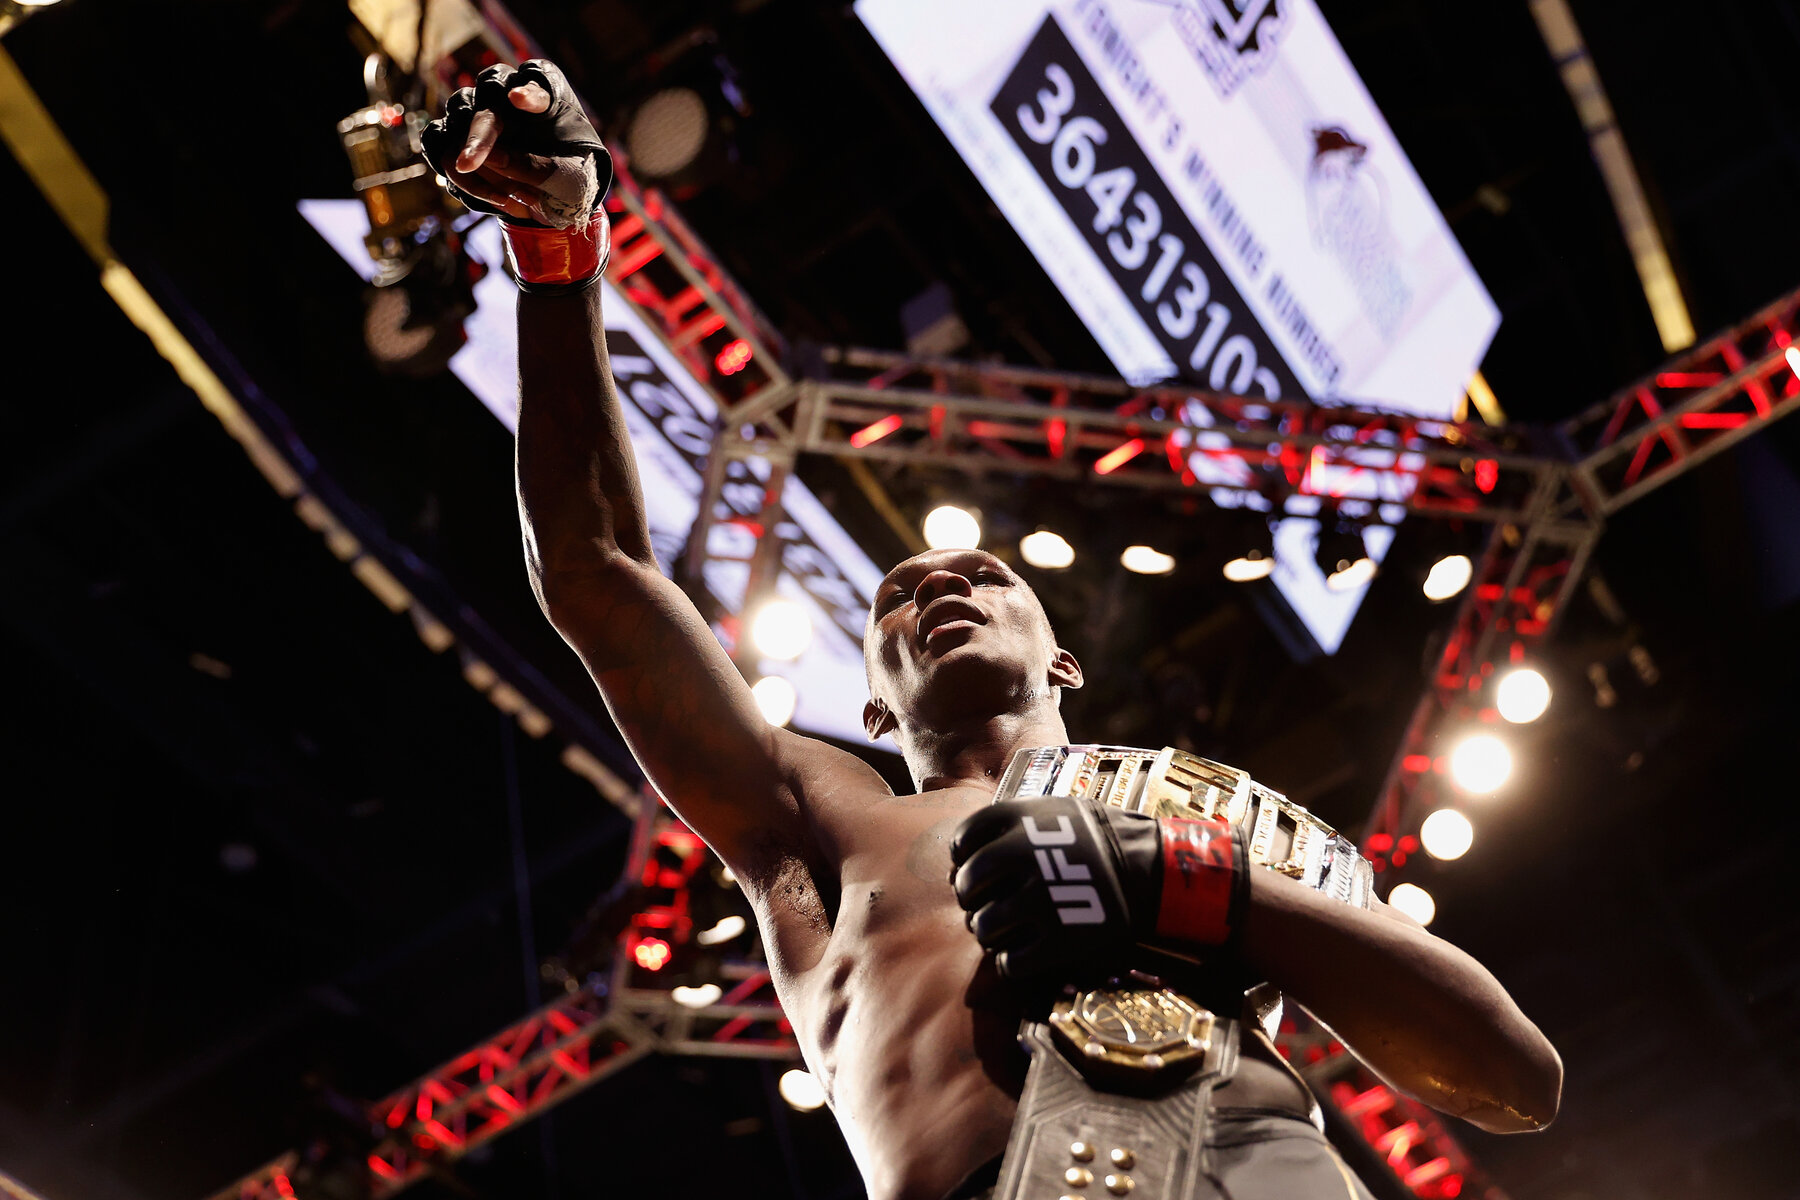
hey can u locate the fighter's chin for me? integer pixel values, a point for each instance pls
(959, 673)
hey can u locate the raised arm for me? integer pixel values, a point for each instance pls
(518, 146)
(687, 713)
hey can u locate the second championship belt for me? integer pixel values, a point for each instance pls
(1118, 1096)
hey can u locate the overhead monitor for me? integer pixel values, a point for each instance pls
(671, 417)
(1216, 195)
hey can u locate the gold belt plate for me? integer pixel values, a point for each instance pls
(1141, 1029)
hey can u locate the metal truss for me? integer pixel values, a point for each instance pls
(1645, 435)
(1704, 401)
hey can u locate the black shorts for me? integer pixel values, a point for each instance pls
(1257, 1154)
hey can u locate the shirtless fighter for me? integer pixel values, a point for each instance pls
(907, 1006)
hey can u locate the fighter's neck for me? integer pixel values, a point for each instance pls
(978, 750)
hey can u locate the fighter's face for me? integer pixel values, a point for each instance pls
(953, 629)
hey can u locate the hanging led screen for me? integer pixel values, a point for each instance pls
(1213, 190)
(671, 416)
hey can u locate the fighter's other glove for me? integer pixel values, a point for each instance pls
(545, 181)
(1067, 887)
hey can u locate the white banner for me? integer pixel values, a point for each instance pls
(671, 419)
(1212, 188)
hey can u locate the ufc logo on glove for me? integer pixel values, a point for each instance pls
(1075, 905)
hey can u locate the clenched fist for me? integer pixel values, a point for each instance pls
(517, 145)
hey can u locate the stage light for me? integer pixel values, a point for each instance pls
(1341, 557)
(1522, 696)
(1252, 531)
(652, 954)
(667, 132)
(1046, 550)
(1480, 763)
(775, 698)
(948, 527)
(1449, 576)
(1414, 901)
(781, 629)
(1251, 565)
(727, 928)
(733, 358)
(1447, 834)
(696, 997)
(1142, 560)
(14, 11)
(801, 1090)
(1793, 360)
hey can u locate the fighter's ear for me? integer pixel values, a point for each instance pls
(877, 720)
(1064, 670)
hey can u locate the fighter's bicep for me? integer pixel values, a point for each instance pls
(686, 712)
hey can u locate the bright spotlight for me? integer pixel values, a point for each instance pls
(1522, 695)
(1253, 564)
(1447, 834)
(1142, 560)
(775, 698)
(801, 1090)
(1414, 901)
(781, 629)
(1354, 575)
(948, 527)
(1046, 550)
(1448, 577)
(696, 997)
(727, 928)
(1480, 763)
(652, 953)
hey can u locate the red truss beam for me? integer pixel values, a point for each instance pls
(1520, 586)
(1696, 405)
(508, 1079)
(986, 417)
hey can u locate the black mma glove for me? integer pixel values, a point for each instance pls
(561, 131)
(1060, 889)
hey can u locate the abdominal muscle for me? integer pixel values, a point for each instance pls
(914, 1036)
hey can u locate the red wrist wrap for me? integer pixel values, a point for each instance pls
(1199, 881)
(558, 260)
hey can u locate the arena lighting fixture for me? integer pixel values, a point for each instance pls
(1258, 559)
(727, 928)
(1522, 695)
(652, 954)
(948, 527)
(801, 1090)
(1449, 575)
(1046, 550)
(781, 629)
(1342, 557)
(775, 698)
(14, 11)
(1446, 834)
(1480, 764)
(667, 132)
(1142, 560)
(1414, 901)
(696, 997)
(1793, 360)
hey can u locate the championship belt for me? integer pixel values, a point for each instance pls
(1118, 1096)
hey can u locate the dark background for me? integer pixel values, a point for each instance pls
(258, 848)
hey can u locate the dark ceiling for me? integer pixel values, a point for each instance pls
(261, 843)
